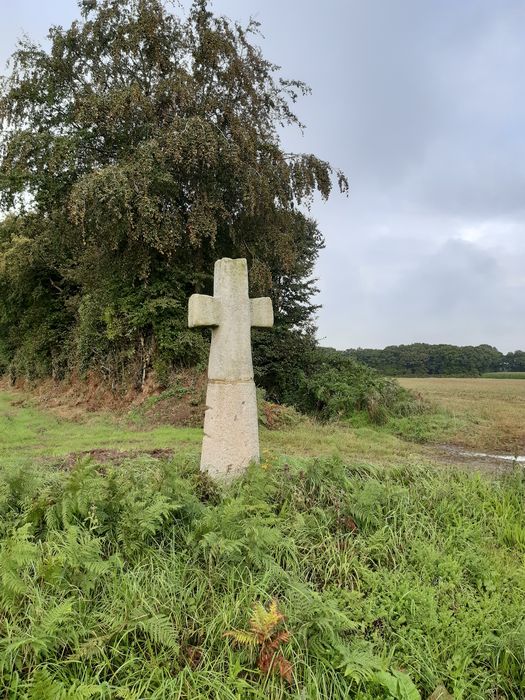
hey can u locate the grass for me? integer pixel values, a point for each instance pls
(484, 415)
(30, 433)
(504, 375)
(476, 414)
(123, 579)
(121, 582)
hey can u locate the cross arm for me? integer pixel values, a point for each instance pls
(203, 310)
(261, 312)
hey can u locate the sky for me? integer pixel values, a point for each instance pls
(421, 103)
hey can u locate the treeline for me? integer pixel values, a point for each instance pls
(424, 360)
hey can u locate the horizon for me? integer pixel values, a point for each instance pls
(422, 342)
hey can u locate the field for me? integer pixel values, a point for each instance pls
(126, 574)
(504, 375)
(489, 414)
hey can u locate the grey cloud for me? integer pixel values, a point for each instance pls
(460, 293)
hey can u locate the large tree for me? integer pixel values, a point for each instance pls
(137, 150)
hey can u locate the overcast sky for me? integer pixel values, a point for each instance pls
(422, 104)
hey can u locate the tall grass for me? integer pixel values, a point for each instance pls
(121, 581)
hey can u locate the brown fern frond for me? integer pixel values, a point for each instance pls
(283, 667)
(275, 663)
(275, 642)
(282, 637)
(264, 662)
(263, 634)
(274, 611)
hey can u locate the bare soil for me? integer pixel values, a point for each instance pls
(103, 456)
(150, 405)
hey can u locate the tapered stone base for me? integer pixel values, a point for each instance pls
(231, 431)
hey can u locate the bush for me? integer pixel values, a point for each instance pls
(276, 416)
(339, 386)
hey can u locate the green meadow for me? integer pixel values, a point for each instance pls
(29, 434)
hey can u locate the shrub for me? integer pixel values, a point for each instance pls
(339, 386)
(276, 416)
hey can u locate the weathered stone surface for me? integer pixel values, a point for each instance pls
(203, 311)
(261, 312)
(231, 433)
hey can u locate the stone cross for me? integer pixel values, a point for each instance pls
(231, 433)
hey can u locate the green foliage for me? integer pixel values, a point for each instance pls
(504, 375)
(280, 359)
(142, 146)
(429, 426)
(336, 386)
(514, 362)
(421, 360)
(121, 581)
(276, 416)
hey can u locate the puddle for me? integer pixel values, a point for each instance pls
(485, 455)
(486, 461)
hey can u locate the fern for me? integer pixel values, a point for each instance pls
(81, 489)
(48, 630)
(52, 517)
(159, 629)
(128, 595)
(264, 635)
(13, 584)
(17, 554)
(242, 637)
(360, 664)
(53, 628)
(105, 627)
(45, 687)
(239, 531)
(264, 621)
(141, 520)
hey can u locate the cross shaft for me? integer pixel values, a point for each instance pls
(231, 436)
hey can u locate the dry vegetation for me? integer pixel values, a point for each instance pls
(490, 412)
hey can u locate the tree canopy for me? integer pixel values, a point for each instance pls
(422, 359)
(135, 151)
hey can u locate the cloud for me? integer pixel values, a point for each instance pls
(459, 293)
